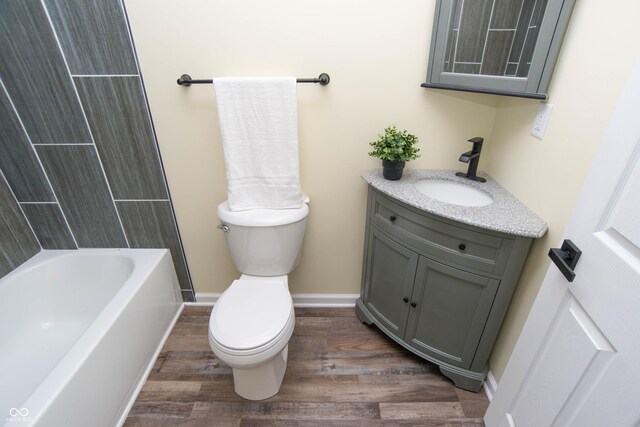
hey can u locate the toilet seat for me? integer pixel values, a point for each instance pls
(251, 316)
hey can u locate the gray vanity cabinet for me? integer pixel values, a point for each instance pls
(438, 287)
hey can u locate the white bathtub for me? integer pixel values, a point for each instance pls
(79, 331)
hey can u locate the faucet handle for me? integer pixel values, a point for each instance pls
(477, 144)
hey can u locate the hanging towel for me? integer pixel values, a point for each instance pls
(259, 129)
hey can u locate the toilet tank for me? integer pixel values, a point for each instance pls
(264, 242)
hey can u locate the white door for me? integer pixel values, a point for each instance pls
(577, 361)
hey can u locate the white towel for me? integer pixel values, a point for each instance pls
(259, 129)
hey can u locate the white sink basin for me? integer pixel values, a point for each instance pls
(453, 193)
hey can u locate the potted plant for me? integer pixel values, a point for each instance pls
(394, 148)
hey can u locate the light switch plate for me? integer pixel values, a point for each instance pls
(541, 120)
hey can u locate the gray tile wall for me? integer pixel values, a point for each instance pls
(17, 242)
(77, 146)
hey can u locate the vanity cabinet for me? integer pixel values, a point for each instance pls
(438, 287)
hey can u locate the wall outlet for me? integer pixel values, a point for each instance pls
(541, 120)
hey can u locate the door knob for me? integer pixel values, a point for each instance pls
(413, 304)
(405, 299)
(566, 258)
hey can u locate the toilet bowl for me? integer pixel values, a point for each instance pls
(253, 320)
(249, 330)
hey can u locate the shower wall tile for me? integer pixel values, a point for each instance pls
(66, 186)
(94, 36)
(77, 179)
(48, 223)
(35, 75)
(18, 161)
(119, 120)
(17, 242)
(150, 224)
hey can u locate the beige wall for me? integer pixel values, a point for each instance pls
(376, 54)
(599, 50)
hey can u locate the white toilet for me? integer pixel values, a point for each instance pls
(252, 321)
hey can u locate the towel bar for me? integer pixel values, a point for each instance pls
(186, 80)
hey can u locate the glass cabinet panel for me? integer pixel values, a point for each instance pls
(497, 46)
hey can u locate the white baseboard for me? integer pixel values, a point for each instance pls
(299, 300)
(490, 386)
(325, 300)
(204, 299)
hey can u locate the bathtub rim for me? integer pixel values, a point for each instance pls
(142, 379)
(144, 260)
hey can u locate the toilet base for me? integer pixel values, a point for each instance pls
(262, 381)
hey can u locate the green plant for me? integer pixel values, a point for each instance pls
(395, 146)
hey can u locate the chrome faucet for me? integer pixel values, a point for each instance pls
(472, 157)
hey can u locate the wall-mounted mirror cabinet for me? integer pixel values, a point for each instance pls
(504, 47)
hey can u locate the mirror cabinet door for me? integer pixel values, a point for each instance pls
(497, 46)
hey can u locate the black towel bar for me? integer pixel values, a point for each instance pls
(186, 80)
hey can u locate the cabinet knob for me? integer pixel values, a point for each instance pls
(392, 218)
(405, 299)
(413, 304)
(462, 246)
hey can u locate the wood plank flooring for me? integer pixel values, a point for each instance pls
(340, 373)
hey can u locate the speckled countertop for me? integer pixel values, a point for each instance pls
(506, 214)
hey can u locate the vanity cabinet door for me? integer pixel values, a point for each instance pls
(390, 273)
(452, 307)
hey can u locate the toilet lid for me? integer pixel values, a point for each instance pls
(250, 313)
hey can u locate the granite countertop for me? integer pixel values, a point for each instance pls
(506, 214)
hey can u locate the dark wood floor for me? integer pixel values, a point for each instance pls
(340, 373)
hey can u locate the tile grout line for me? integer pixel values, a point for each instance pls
(56, 144)
(141, 200)
(38, 203)
(103, 75)
(86, 120)
(44, 172)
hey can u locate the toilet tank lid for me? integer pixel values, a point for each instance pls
(261, 217)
